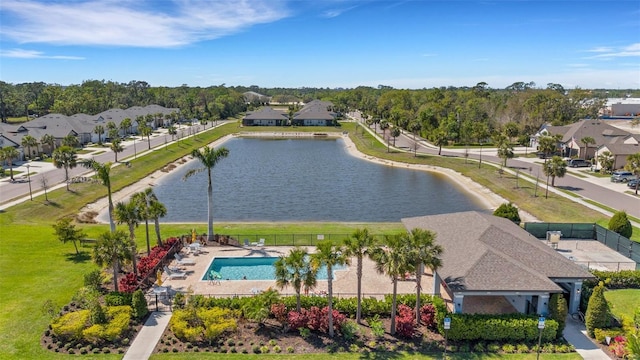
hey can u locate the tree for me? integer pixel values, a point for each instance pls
(440, 139)
(71, 140)
(415, 127)
(102, 172)
(156, 211)
(505, 149)
(508, 211)
(633, 165)
(393, 261)
(423, 251)
(619, 223)
(125, 126)
(209, 157)
(111, 249)
(172, 131)
(558, 311)
(606, 161)
(48, 139)
(99, 130)
(116, 147)
(66, 231)
(28, 142)
(146, 130)
(65, 157)
(330, 256)
(295, 269)
(598, 315)
(547, 145)
(145, 202)
(7, 154)
(555, 168)
(358, 245)
(384, 126)
(112, 129)
(586, 141)
(128, 213)
(395, 132)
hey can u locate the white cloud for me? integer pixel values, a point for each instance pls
(144, 23)
(632, 50)
(33, 54)
(600, 49)
(429, 55)
(336, 12)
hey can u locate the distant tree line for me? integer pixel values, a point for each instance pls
(458, 115)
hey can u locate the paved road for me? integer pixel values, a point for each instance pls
(597, 189)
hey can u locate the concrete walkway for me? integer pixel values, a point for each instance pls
(143, 345)
(576, 334)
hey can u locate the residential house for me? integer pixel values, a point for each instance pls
(492, 265)
(315, 113)
(620, 148)
(265, 116)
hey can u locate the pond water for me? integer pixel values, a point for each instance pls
(305, 180)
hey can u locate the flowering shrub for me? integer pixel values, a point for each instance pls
(279, 311)
(618, 346)
(428, 316)
(298, 320)
(315, 319)
(405, 325)
(128, 283)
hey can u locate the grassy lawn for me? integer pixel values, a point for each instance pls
(35, 267)
(623, 303)
(377, 356)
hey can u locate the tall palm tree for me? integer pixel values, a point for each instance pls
(633, 165)
(7, 154)
(125, 125)
(423, 251)
(505, 149)
(606, 161)
(146, 130)
(358, 246)
(111, 249)
(395, 132)
(65, 157)
(209, 157)
(547, 145)
(99, 130)
(392, 260)
(555, 168)
(29, 141)
(587, 140)
(296, 270)
(71, 140)
(102, 172)
(128, 213)
(149, 208)
(112, 129)
(116, 147)
(330, 256)
(156, 211)
(440, 139)
(48, 139)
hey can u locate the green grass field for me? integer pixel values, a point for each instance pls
(35, 267)
(623, 303)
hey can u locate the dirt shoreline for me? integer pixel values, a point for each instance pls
(485, 197)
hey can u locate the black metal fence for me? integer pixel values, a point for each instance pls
(285, 239)
(612, 240)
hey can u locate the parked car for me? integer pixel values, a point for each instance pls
(579, 163)
(633, 183)
(622, 176)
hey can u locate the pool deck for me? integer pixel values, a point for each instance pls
(344, 284)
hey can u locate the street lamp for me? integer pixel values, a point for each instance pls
(29, 180)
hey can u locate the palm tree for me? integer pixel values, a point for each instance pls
(330, 256)
(172, 131)
(209, 157)
(48, 139)
(112, 129)
(441, 139)
(415, 127)
(65, 157)
(392, 260)
(149, 208)
(71, 140)
(587, 140)
(505, 149)
(633, 165)
(395, 132)
(116, 147)
(99, 130)
(555, 168)
(102, 172)
(7, 154)
(111, 249)
(29, 141)
(156, 211)
(606, 161)
(125, 125)
(295, 269)
(423, 252)
(128, 213)
(146, 130)
(358, 246)
(547, 145)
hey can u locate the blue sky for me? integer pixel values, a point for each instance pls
(322, 43)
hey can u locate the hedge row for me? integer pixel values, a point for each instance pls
(623, 279)
(502, 328)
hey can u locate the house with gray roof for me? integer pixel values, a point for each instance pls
(620, 148)
(315, 113)
(265, 116)
(491, 265)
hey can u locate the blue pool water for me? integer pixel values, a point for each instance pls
(253, 268)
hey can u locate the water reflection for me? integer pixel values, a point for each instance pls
(305, 180)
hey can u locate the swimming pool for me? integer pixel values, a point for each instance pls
(250, 268)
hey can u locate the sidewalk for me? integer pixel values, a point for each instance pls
(576, 334)
(143, 345)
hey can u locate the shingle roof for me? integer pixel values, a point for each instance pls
(266, 113)
(599, 130)
(483, 252)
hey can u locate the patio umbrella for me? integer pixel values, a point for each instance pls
(159, 277)
(193, 236)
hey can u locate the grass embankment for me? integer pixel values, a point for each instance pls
(623, 303)
(35, 267)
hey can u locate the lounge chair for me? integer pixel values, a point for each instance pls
(175, 274)
(259, 243)
(183, 261)
(246, 243)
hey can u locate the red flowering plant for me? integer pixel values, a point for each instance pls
(619, 346)
(405, 321)
(128, 284)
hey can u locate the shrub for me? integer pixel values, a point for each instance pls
(85, 297)
(405, 325)
(620, 224)
(508, 349)
(206, 324)
(139, 305)
(128, 283)
(376, 325)
(508, 211)
(279, 312)
(116, 298)
(179, 301)
(597, 315)
(93, 279)
(97, 314)
(558, 311)
(522, 349)
(428, 316)
(479, 347)
(118, 322)
(501, 328)
(304, 332)
(349, 330)
(70, 325)
(290, 349)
